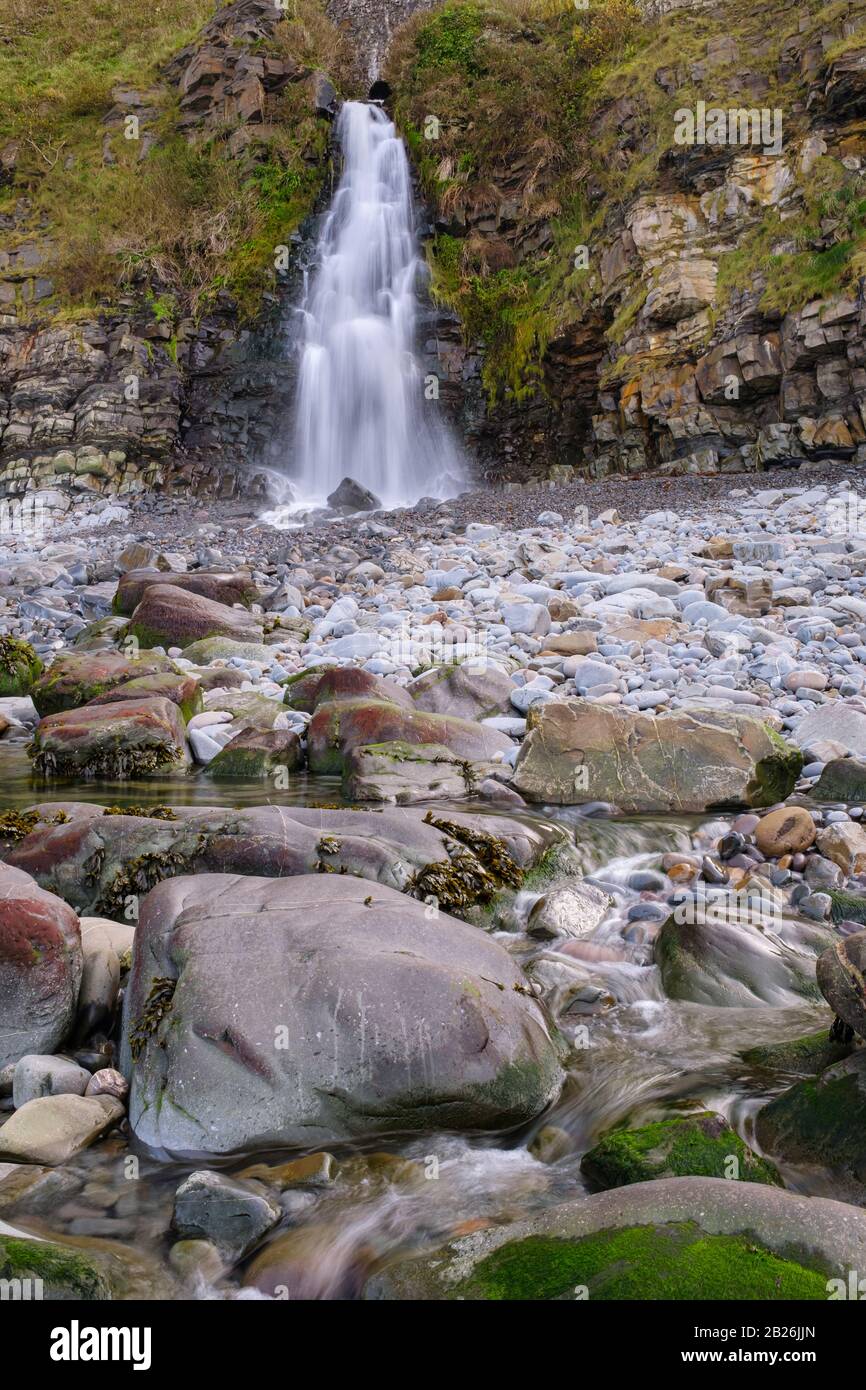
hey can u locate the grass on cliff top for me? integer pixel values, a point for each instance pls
(186, 217)
(568, 115)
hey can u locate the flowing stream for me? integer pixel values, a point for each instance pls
(361, 409)
(636, 1057)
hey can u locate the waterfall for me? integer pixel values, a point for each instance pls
(360, 407)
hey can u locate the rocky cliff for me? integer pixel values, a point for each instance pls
(623, 299)
(606, 297)
(151, 191)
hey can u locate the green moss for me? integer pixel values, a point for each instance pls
(776, 775)
(65, 1273)
(819, 1121)
(19, 666)
(691, 1146)
(847, 907)
(670, 1262)
(805, 1056)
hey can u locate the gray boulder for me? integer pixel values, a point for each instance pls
(266, 1013)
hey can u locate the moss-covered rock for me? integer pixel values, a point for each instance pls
(77, 677)
(822, 1120)
(64, 1273)
(20, 667)
(842, 779)
(670, 1239)
(131, 738)
(694, 1145)
(258, 753)
(706, 960)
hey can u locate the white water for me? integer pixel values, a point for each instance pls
(361, 409)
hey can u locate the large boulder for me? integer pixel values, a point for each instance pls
(467, 690)
(40, 967)
(821, 1120)
(337, 728)
(220, 586)
(350, 496)
(688, 760)
(172, 617)
(670, 1239)
(131, 738)
(339, 684)
(77, 677)
(180, 687)
(96, 861)
(266, 1013)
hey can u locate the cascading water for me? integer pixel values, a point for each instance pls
(361, 409)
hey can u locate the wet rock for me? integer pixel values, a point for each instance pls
(401, 774)
(31, 1189)
(313, 1170)
(821, 1120)
(340, 685)
(108, 1081)
(841, 980)
(569, 910)
(786, 831)
(804, 1056)
(84, 1270)
(673, 1238)
(338, 728)
(40, 967)
(233, 1215)
(688, 760)
(464, 691)
(350, 496)
(702, 1145)
(54, 1129)
(315, 951)
(223, 588)
(75, 678)
(258, 753)
(171, 617)
(130, 738)
(842, 779)
(461, 859)
(706, 959)
(37, 1075)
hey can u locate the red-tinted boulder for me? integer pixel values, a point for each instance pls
(128, 739)
(338, 727)
(75, 677)
(172, 617)
(220, 586)
(40, 967)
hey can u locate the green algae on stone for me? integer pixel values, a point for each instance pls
(847, 907)
(675, 1261)
(822, 1120)
(776, 775)
(20, 667)
(804, 1056)
(701, 1145)
(65, 1273)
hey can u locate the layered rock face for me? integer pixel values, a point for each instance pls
(711, 320)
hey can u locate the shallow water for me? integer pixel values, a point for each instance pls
(639, 1057)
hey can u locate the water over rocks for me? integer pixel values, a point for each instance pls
(654, 890)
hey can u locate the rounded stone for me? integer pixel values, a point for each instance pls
(790, 830)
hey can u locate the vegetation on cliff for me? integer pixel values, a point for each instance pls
(130, 191)
(534, 125)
